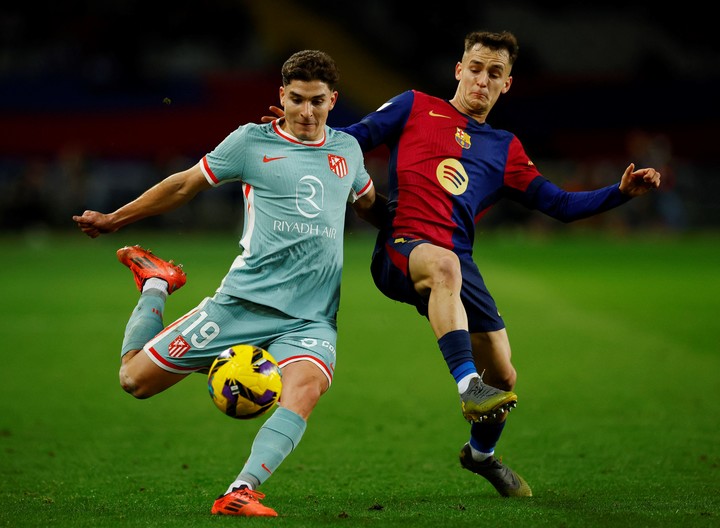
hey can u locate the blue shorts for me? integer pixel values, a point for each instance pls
(389, 268)
(192, 343)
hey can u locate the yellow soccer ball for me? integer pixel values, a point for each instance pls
(244, 382)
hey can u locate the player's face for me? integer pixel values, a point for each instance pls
(306, 105)
(482, 76)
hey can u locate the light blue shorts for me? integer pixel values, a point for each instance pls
(192, 343)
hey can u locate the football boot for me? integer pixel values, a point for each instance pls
(145, 265)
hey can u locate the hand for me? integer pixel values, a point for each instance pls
(638, 182)
(93, 224)
(279, 112)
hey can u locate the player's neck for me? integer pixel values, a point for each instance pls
(281, 127)
(479, 117)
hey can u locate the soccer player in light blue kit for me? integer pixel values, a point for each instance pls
(282, 292)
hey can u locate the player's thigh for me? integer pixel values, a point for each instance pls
(492, 354)
(306, 341)
(193, 342)
(306, 354)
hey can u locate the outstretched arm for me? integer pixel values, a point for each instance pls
(570, 206)
(169, 194)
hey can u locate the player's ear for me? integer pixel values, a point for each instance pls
(458, 71)
(508, 82)
(333, 100)
(282, 96)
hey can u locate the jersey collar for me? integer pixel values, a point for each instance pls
(289, 137)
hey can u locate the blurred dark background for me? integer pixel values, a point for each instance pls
(100, 100)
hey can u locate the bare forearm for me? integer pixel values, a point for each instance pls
(167, 195)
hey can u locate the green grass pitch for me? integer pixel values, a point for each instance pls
(618, 422)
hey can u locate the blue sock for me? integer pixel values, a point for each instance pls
(484, 436)
(145, 322)
(457, 351)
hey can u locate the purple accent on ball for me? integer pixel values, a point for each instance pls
(266, 397)
(231, 397)
(266, 367)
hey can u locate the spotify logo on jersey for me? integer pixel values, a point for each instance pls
(452, 176)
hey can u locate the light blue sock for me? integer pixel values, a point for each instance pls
(276, 439)
(145, 322)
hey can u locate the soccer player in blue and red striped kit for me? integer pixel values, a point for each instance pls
(447, 167)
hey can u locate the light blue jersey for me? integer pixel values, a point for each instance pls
(295, 196)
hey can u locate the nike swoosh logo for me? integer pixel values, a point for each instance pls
(266, 159)
(433, 114)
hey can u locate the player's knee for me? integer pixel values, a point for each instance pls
(311, 390)
(503, 380)
(129, 385)
(301, 395)
(508, 380)
(446, 271)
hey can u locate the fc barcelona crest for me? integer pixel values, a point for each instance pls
(462, 138)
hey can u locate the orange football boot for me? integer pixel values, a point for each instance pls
(242, 501)
(145, 265)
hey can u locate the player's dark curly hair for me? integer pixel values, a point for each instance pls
(311, 65)
(495, 41)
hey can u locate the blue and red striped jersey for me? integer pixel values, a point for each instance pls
(446, 170)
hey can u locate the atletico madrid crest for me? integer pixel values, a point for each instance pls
(178, 347)
(338, 165)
